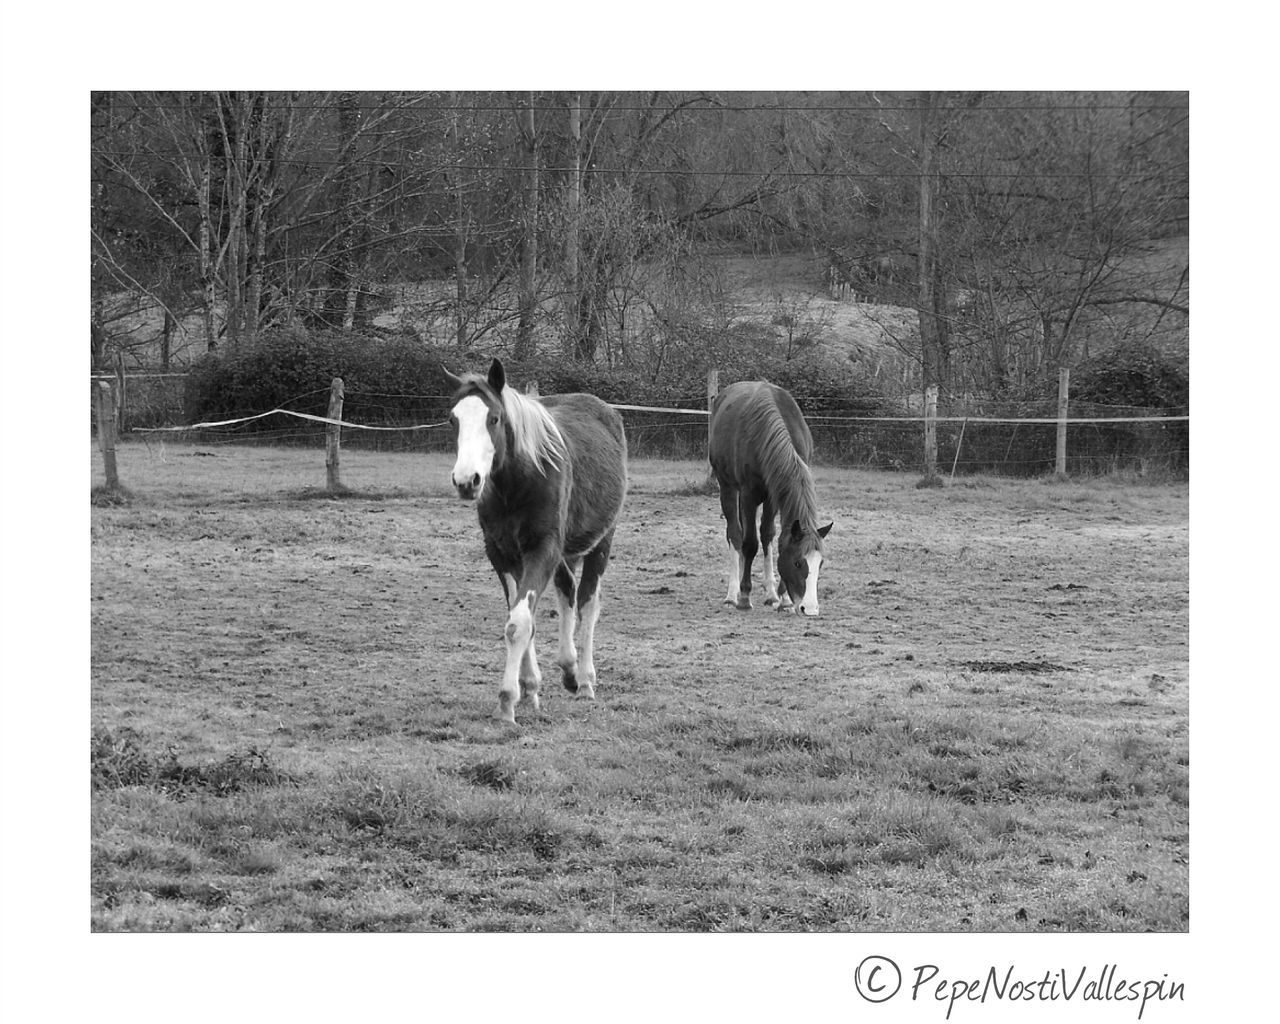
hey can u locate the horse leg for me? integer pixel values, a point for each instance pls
(530, 677)
(530, 674)
(534, 576)
(750, 545)
(733, 534)
(593, 568)
(566, 597)
(768, 530)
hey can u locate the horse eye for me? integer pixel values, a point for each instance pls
(493, 421)
(799, 563)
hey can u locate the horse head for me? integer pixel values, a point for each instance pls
(799, 561)
(477, 416)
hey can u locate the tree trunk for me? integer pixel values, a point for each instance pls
(591, 309)
(461, 230)
(166, 340)
(207, 282)
(460, 278)
(525, 345)
(932, 297)
(257, 226)
(237, 160)
(97, 335)
(338, 304)
(573, 285)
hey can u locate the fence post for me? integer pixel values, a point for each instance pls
(334, 436)
(1064, 378)
(107, 432)
(713, 389)
(931, 478)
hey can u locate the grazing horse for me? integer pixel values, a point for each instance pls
(549, 477)
(759, 450)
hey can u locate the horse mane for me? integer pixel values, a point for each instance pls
(787, 475)
(534, 433)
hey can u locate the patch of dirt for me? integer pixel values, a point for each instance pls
(1028, 667)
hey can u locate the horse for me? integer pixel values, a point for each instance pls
(759, 447)
(549, 477)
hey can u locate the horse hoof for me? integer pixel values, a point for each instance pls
(729, 601)
(570, 682)
(744, 604)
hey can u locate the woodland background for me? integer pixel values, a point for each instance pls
(857, 247)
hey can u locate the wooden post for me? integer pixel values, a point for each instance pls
(107, 433)
(931, 435)
(1064, 378)
(334, 435)
(713, 389)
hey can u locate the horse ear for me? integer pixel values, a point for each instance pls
(797, 531)
(824, 530)
(453, 382)
(497, 376)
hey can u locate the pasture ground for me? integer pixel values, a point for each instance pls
(293, 700)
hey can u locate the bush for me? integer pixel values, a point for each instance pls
(1130, 380)
(387, 381)
(294, 370)
(1133, 375)
(397, 381)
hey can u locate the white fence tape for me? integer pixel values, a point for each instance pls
(986, 419)
(283, 412)
(692, 412)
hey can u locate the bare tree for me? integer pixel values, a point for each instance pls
(934, 339)
(525, 343)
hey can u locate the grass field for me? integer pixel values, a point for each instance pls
(293, 701)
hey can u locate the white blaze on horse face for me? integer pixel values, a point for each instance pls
(809, 603)
(475, 446)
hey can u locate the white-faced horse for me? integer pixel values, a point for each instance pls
(549, 477)
(759, 448)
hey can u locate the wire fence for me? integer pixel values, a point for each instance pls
(978, 436)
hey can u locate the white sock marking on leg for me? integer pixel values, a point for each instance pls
(587, 631)
(735, 575)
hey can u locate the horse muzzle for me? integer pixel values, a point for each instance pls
(470, 487)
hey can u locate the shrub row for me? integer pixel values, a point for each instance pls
(398, 381)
